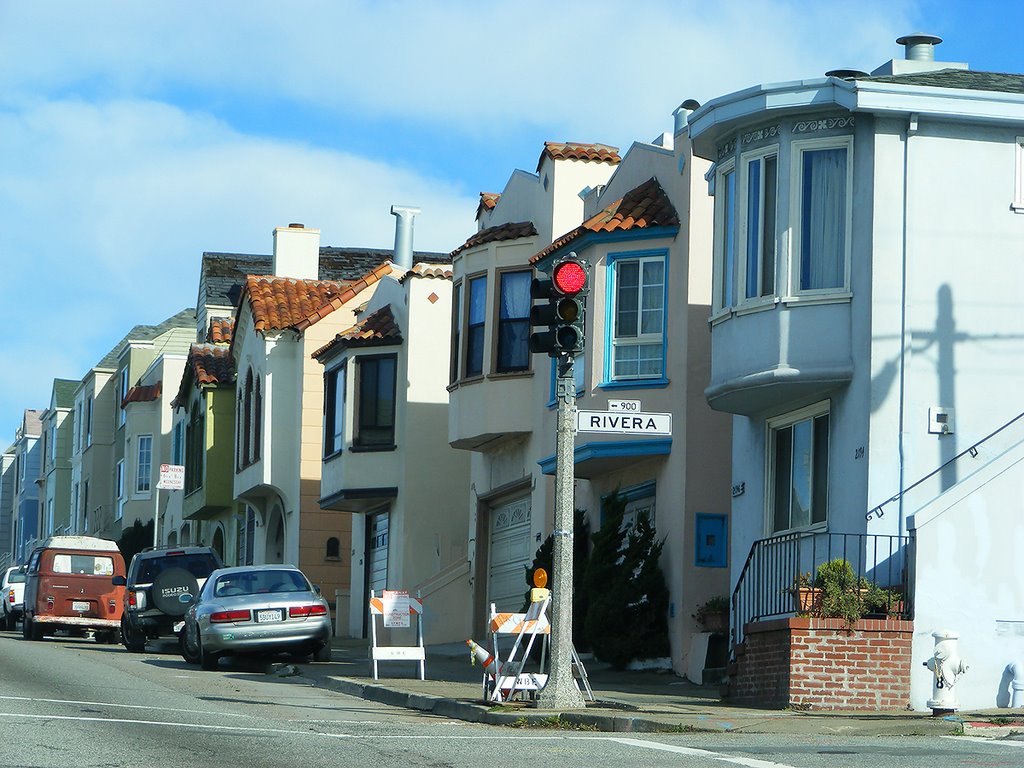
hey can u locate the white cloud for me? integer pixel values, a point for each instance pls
(126, 148)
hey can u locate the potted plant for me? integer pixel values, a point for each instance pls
(840, 596)
(714, 614)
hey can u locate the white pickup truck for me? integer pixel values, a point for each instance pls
(12, 590)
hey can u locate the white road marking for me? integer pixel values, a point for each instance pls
(989, 740)
(750, 762)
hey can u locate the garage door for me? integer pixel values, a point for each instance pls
(377, 552)
(511, 552)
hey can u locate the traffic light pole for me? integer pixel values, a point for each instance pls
(561, 692)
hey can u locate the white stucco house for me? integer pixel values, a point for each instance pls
(866, 336)
(386, 455)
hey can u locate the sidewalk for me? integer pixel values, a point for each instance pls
(646, 701)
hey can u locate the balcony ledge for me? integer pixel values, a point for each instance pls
(757, 392)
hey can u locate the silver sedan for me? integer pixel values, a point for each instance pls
(256, 609)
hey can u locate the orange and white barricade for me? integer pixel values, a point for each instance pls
(396, 609)
(508, 678)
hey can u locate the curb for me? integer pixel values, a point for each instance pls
(479, 713)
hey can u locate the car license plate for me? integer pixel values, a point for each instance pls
(272, 615)
(79, 606)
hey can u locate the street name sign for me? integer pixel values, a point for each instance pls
(172, 477)
(624, 423)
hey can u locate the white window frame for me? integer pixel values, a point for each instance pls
(615, 262)
(334, 431)
(773, 426)
(1017, 206)
(122, 394)
(794, 225)
(743, 225)
(719, 306)
(141, 475)
(119, 489)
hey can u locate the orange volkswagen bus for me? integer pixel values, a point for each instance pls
(69, 587)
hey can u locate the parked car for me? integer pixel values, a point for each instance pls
(160, 584)
(69, 587)
(256, 609)
(12, 592)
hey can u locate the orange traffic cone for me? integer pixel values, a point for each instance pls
(481, 655)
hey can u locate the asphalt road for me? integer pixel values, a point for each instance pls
(75, 703)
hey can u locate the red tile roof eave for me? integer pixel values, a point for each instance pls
(351, 289)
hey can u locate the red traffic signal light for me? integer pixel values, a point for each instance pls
(569, 277)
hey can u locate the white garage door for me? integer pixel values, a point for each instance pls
(511, 552)
(377, 552)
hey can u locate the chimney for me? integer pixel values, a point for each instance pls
(297, 252)
(683, 112)
(403, 234)
(919, 52)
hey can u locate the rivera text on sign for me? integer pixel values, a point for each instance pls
(624, 423)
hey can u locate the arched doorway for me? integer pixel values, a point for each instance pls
(275, 536)
(218, 542)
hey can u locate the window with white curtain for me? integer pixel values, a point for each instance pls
(822, 185)
(514, 321)
(798, 463)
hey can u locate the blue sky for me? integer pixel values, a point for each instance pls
(136, 135)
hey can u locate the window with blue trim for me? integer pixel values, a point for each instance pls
(477, 298)
(637, 318)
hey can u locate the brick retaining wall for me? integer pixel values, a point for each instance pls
(809, 663)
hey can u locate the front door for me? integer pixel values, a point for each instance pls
(376, 558)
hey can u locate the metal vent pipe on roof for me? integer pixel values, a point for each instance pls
(919, 46)
(403, 234)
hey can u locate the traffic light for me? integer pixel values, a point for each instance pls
(564, 311)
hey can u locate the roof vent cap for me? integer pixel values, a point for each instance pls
(919, 46)
(846, 74)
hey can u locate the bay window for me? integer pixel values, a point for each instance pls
(798, 465)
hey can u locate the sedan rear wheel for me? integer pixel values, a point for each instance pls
(188, 647)
(323, 653)
(207, 660)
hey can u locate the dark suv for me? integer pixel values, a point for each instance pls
(161, 583)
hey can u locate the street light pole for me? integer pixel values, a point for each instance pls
(561, 692)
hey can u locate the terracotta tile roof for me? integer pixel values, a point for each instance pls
(642, 207)
(282, 302)
(487, 202)
(501, 232)
(376, 330)
(142, 394)
(571, 150)
(221, 330)
(440, 271)
(206, 364)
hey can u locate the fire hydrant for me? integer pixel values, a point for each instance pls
(946, 666)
